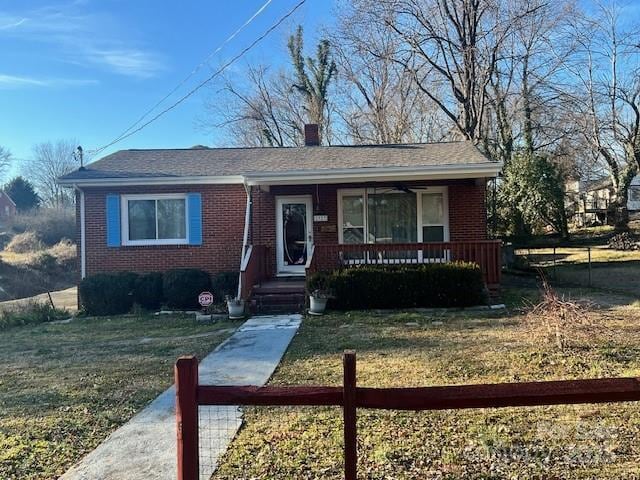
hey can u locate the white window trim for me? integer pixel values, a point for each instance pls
(419, 191)
(445, 206)
(124, 219)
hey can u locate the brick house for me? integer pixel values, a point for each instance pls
(7, 206)
(280, 213)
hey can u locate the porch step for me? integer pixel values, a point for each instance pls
(278, 303)
(279, 296)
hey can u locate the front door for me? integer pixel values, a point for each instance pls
(294, 233)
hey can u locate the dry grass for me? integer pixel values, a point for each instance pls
(578, 255)
(65, 387)
(26, 242)
(560, 442)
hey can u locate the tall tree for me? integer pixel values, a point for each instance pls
(605, 99)
(377, 100)
(453, 45)
(22, 193)
(50, 161)
(312, 79)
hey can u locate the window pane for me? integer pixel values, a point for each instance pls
(142, 219)
(352, 211)
(432, 208)
(171, 219)
(353, 235)
(294, 233)
(433, 234)
(392, 218)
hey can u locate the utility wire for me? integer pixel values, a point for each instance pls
(193, 72)
(205, 81)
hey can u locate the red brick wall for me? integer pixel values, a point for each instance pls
(223, 209)
(467, 213)
(223, 223)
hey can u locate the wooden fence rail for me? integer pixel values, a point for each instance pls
(351, 397)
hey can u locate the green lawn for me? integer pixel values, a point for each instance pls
(65, 387)
(592, 441)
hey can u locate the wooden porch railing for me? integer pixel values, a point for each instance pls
(486, 253)
(253, 269)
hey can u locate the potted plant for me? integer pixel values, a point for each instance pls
(319, 293)
(235, 307)
(318, 301)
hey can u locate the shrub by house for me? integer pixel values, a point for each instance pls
(456, 284)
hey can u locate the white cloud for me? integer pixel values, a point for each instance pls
(86, 39)
(16, 81)
(8, 23)
(137, 63)
(9, 81)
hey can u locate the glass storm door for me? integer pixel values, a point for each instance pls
(294, 235)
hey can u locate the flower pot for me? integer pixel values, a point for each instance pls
(317, 305)
(236, 309)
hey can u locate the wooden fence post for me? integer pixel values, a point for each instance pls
(589, 253)
(349, 413)
(186, 378)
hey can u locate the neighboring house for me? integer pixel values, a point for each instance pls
(588, 201)
(7, 206)
(283, 212)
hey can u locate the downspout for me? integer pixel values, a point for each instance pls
(245, 237)
(83, 248)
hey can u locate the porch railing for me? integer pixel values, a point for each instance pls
(486, 253)
(253, 269)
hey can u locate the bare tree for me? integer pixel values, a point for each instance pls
(606, 99)
(452, 46)
(263, 111)
(378, 101)
(50, 161)
(270, 107)
(526, 103)
(5, 160)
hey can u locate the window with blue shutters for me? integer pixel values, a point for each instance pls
(161, 219)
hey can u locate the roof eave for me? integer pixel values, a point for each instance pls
(351, 175)
(442, 172)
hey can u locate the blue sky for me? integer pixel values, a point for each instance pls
(87, 69)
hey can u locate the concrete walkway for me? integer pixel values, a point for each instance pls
(145, 447)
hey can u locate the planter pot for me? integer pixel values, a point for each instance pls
(317, 305)
(236, 309)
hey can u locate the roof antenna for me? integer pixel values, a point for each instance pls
(78, 155)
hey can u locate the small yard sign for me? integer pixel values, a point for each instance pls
(205, 299)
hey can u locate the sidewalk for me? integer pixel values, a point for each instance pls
(145, 447)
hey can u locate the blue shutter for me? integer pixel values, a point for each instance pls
(194, 209)
(113, 220)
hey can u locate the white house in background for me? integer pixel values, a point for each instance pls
(588, 200)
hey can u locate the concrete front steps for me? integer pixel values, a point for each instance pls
(279, 296)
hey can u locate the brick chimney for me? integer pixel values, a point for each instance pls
(311, 135)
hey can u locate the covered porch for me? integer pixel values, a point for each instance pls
(295, 230)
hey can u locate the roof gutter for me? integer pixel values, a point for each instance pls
(342, 175)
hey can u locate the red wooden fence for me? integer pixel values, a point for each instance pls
(350, 397)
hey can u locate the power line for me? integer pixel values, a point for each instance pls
(205, 81)
(195, 70)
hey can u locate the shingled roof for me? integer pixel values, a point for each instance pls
(248, 162)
